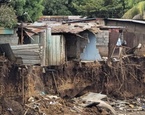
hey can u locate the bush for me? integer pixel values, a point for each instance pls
(8, 18)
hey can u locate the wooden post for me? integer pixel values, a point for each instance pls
(48, 37)
(23, 85)
(22, 35)
(43, 44)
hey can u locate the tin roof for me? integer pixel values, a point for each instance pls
(75, 28)
(62, 28)
(126, 20)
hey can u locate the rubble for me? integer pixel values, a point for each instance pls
(52, 104)
(128, 107)
(94, 99)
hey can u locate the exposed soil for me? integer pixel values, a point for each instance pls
(121, 80)
(124, 79)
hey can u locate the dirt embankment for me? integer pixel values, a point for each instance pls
(123, 79)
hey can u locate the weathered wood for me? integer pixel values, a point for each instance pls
(29, 57)
(31, 50)
(31, 61)
(43, 43)
(25, 46)
(48, 36)
(26, 53)
(6, 49)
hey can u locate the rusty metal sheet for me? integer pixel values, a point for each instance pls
(30, 34)
(75, 28)
(113, 37)
(66, 29)
(33, 29)
(130, 38)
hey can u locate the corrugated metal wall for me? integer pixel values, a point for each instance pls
(56, 50)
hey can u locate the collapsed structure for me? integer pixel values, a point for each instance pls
(68, 58)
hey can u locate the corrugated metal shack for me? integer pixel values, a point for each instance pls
(67, 42)
(79, 41)
(55, 43)
(29, 46)
(134, 32)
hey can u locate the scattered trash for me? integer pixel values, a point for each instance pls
(94, 99)
(31, 99)
(10, 109)
(128, 107)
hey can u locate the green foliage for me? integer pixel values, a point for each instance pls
(131, 3)
(89, 8)
(99, 8)
(28, 10)
(34, 9)
(137, 9)
(18, 5)
(56, 7)
(8, 17)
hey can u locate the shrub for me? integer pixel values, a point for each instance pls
(8, 18)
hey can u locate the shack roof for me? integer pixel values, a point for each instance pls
(62, 28)
(125, 20)
(75, 28)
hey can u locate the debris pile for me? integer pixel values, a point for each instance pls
(52, 104)
(125, 76)
(129, 106)
(34, 90)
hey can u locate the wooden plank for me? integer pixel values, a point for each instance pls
(34, 50)
(29, 57)
(31, 61)
(26, 53)
(47, 50)
(25, 46)
(43, 45)
(28, 49)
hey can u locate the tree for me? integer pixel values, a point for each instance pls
(56, 7)
(8, 18)
(99, 8)
(89, 8)
(137, 10)
(4, 1)
(28, 10)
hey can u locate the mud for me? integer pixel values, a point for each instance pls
(73, 79)
(123, 79)
(10, 107)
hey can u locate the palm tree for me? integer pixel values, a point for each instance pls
(137, 11)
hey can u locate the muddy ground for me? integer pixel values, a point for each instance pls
(124, 79)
